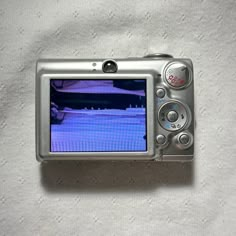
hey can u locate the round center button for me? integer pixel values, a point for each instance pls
(177, 75)
(172, 116)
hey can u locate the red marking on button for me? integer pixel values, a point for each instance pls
(176, 80)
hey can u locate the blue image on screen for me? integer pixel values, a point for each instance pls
(98, 115)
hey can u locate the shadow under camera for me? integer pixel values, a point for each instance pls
(88, 176)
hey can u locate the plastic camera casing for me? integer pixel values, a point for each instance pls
(170, 104)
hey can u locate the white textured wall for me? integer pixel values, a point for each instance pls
(119, 198)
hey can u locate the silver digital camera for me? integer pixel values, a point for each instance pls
(115, 109)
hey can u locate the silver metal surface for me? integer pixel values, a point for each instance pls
(172, 116)
(158, 55)
(184, 139)
(181, 137)
(161, 139)
(153, 70)
(178, 75)
(160, 92)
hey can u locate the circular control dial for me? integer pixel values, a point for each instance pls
(172, 116)
(177, 75)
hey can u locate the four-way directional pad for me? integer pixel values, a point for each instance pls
(172, 116)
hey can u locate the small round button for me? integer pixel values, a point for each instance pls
(184, 139)
(160, 92)
(177, 75)
(172, 116)
(161, 139)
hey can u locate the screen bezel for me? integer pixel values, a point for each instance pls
(43, 119)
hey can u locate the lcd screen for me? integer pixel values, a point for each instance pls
(98, 115)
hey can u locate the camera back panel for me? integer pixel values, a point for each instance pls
(115, 109)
